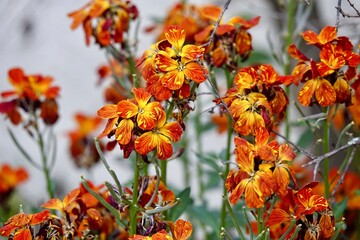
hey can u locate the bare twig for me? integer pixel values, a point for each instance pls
(318, 160)
(344, 14)
(341, 180)
(338, 8)
(216, 25)
(300, 149)
(353, 7)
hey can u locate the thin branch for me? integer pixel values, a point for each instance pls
(353, 7)
(216, 25)
(338, 9)
(341, 180)
(344, 14)
(318, 160)
(300, 149)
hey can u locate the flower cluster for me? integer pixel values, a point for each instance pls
(326, 81)
(310, 211)
(257, 99)
(140, 124)
(106, 21)
(263, 170)
(31, 93)
(231, 44)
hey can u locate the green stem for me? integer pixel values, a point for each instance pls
(199, 167)
(133, 207)
(326, 149)
(44, 161)
(287, 68)
(107, 166)
(113, 211)
(233, 217)
(225, 173)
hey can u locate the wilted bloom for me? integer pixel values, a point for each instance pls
(249, 112)
(82, 147)
(231, 43)
(107, 21)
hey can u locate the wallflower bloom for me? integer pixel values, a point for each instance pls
(170, 65)
(126, 113)
(21, 225)
(326, 81)
(10, 178)
(159, 138)
(31, 93)
(249, 111)
(253, 180)
(231, 43)
(176, 71)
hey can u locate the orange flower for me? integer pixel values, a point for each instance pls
(10, 178)
(248, 112)
(182, 229)
(30, 86)
(337, 60)
(255, 182)
(147, 60)
(322, 89)
(177, 71)
(221, 121)
(31, 93)
(308, 203)
(161, 235)
(65, 204)
(86, 125)
(282, 171)
(144, 111)
(159, 138)
(121, 115)
(20, 225)
(327, 34)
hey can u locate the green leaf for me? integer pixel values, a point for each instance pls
(339, 209)
(211, 160)
(185, 202)
(206, 217)
(306, 139)
(213, 180)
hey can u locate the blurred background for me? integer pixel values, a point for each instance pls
(36, 36)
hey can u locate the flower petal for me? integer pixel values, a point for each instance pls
(176, 36)
(307, 91)
(108, 111)
(123, 132)
(195, 72)
(146, 143)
